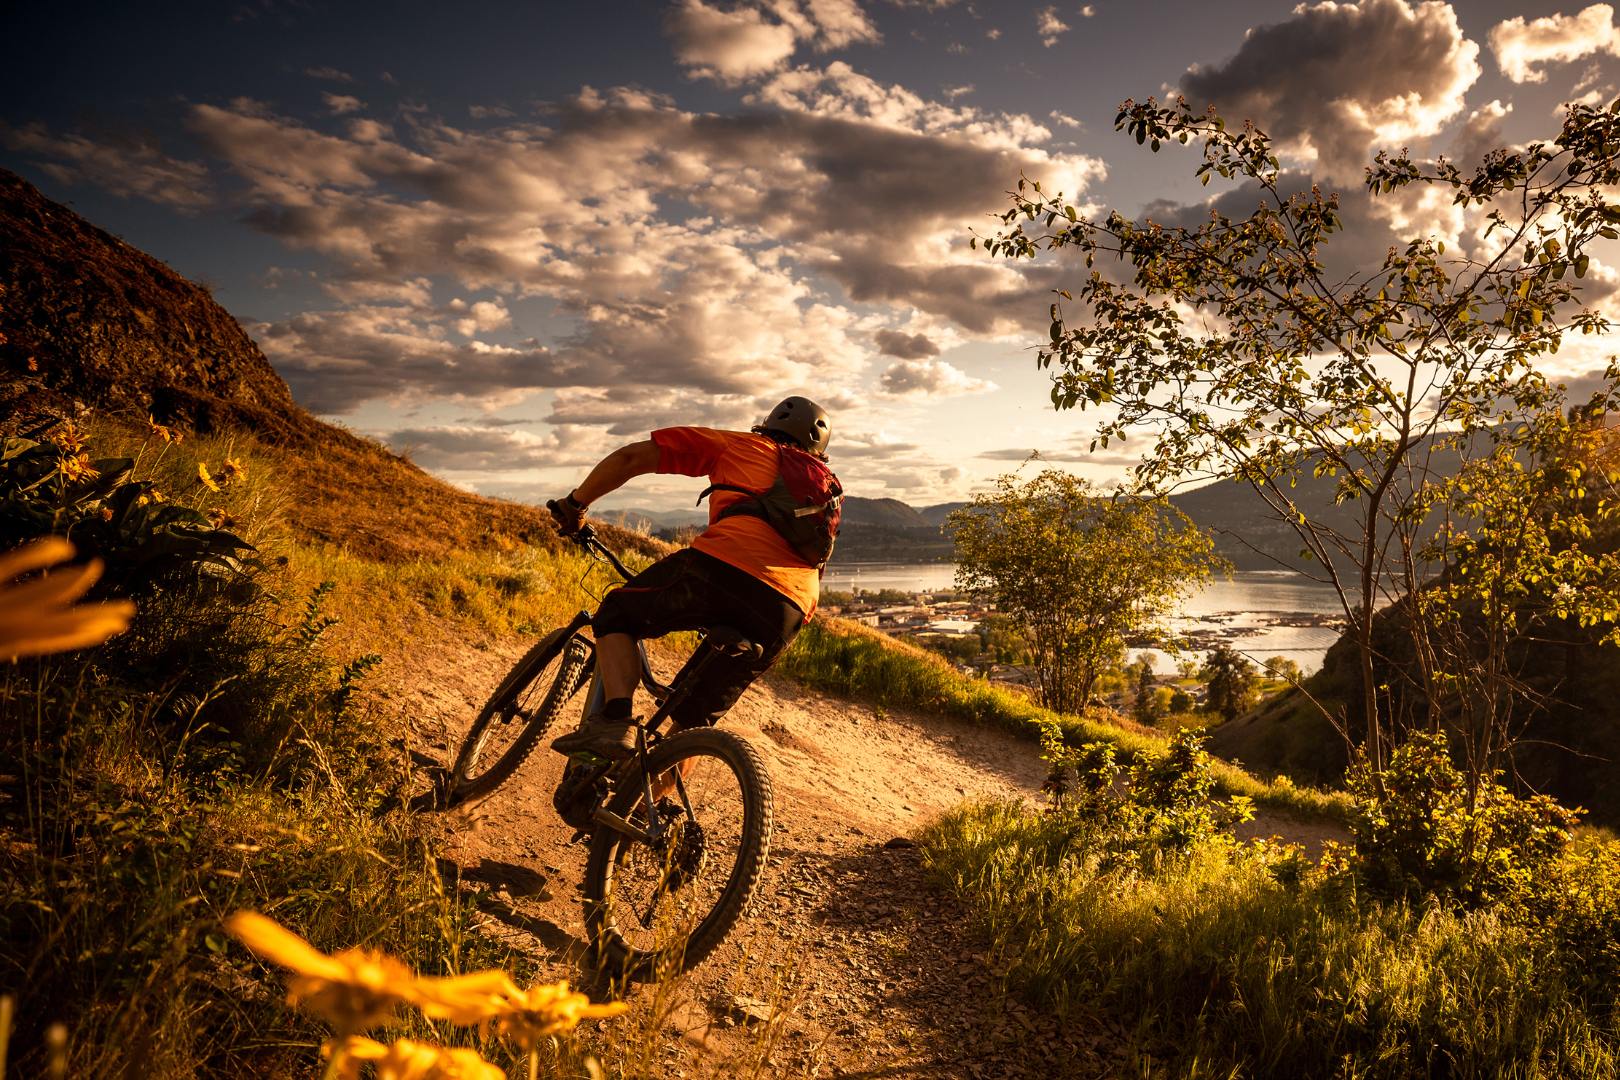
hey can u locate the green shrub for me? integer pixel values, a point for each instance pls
(1420, 830)
(1224, 959)
(214, 757)
(54, 487)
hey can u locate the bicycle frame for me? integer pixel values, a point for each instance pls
(667, 697)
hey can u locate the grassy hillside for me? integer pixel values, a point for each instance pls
(225, 755)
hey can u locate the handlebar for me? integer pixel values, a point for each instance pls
(586, 538)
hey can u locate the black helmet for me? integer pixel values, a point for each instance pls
(802, 421)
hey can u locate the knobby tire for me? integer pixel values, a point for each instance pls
(465, 791)
(617, 956)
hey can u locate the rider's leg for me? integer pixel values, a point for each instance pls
(619, 663)
(610, 733)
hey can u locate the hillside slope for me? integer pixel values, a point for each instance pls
(88, 322)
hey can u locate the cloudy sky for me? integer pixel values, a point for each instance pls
(507, 237)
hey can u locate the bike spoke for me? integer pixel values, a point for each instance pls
(657, 897)
(509, 721)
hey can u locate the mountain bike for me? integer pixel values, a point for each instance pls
(678, 831)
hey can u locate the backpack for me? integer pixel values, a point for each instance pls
(803, 504)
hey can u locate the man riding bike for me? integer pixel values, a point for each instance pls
(756, 568)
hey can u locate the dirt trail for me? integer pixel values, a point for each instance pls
(853, 961)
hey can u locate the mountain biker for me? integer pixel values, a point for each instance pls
(742, 571)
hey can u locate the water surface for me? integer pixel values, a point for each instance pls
(1244, 611)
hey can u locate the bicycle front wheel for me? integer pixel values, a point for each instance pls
(653, 909)
(509, 726)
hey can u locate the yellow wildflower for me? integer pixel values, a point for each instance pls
(36, 617)
(68, 438)
(76, 466)
(233, 471)
(466, 999)
(206, 477)
(410, 1060)
(527, 1016)
(353, 990)
(162, 431)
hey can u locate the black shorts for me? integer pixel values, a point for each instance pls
(693, 591)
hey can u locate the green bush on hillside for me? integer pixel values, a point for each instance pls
(52, 486)
(1226, 958)
(214, 757)
(850, 660)
(1422, 832)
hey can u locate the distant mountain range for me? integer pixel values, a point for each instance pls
(874, 530)
(1245, 530)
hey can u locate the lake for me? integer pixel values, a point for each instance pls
(1261, 613)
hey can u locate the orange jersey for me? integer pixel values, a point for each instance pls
(746, 542)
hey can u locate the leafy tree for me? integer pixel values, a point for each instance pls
(1238, 351)
(1146, 685)
(1002, 639)
(957, 649)
(1077, 572)
(1233, 685)
(1282, 669)
(1530, 539)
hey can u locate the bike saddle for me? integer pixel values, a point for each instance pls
(728, 641)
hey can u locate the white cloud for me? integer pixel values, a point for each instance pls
(330, 74)
(930, 378)
(728, 46)
(701, 257)
(483, 450)
(953, 92)
(342, 103)
(905, 346)
(481, 316)
(126, 167)
(840, 23)
(749, 40)
(1336, 80)
(1049, 26)
(1523, 47)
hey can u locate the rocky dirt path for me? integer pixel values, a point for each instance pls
(851, 963)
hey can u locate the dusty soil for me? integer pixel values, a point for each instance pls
(851, 963)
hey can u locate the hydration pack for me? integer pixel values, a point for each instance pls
(803, 504)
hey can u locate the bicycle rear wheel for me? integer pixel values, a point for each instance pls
(655, 910)
(520, 710)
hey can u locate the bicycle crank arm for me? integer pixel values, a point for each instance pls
(619, 825)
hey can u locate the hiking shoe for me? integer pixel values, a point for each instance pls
(611, 739)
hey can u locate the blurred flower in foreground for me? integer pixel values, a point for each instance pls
(37, 616)
(353, 990)
(527, 1016)
(408, 1060)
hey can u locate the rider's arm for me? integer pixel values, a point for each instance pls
(614, 471)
